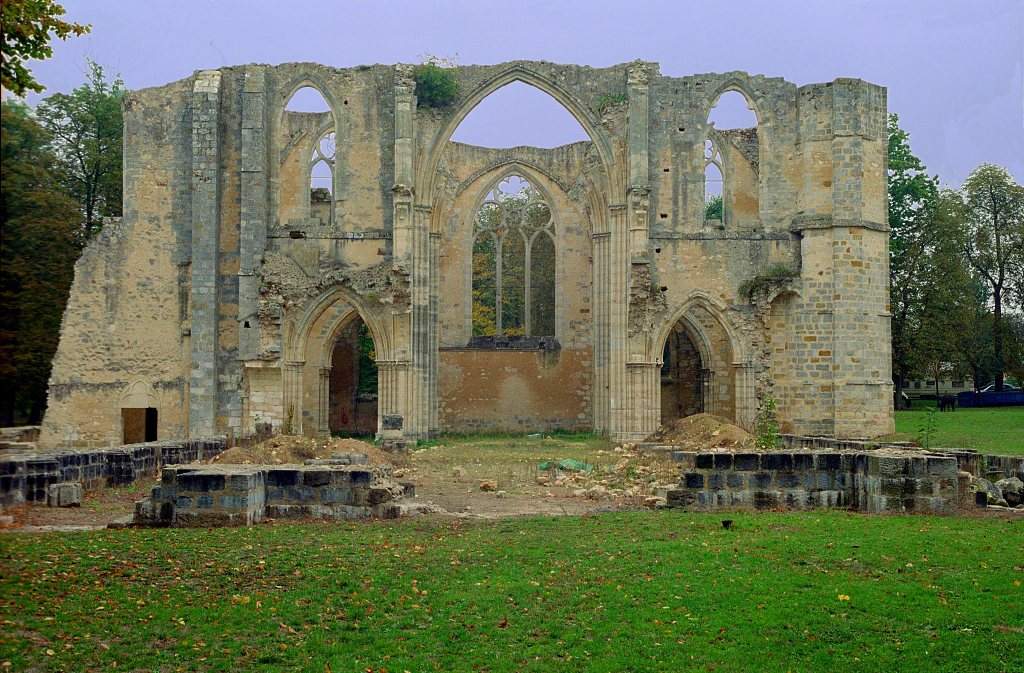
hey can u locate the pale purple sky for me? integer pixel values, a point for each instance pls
(953, 67)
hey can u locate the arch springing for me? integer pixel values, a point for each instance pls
(513, 262)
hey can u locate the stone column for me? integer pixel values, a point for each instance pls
(637, 85)
(324, 402)
(423, 314)
(601, 245)
(618, 317)
(644, 391)
(746, 396)
(391, 382)
(205, 234)
(402, 193)
(291, 387)
(253, 225)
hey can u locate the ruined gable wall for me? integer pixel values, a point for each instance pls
(125, 316)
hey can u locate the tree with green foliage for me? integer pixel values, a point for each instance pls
(913, 196)
(26, 28)
(993, 245)
(38, 228)
(87, 129)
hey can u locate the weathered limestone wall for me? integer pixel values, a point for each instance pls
(515, 391)
(124, 336)
(217, 299)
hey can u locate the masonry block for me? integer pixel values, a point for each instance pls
(64, 494)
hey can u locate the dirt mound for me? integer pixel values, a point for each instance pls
(703, 431)
(293, 449)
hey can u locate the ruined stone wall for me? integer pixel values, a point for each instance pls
(218, 298)
(126, 321)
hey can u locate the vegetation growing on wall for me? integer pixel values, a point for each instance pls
(436, 87)
(608, 100)
(776, 275)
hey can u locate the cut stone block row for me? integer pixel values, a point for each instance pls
(204, 495)
(873, 481)
(27, 476)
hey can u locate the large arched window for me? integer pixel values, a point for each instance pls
(731, 157)
(513, 262)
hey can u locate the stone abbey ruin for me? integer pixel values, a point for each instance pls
(582, 287)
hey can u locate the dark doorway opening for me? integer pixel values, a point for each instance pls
(353, 382)
(139, 425)
(683, 377)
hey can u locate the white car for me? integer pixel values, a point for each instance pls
(992, 387)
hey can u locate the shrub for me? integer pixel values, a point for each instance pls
(607, 100)
(768, 426)
(713, 208)
(435, 86)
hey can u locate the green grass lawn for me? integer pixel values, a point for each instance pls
(665, 591)
(992, 430)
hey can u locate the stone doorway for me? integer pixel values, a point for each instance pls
(139, 425)
(353, 398)
(684, 377)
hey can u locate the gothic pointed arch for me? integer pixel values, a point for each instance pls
(516, 73)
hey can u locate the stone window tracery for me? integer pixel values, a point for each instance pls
(321, 179)
(513, 262)
(714, 185)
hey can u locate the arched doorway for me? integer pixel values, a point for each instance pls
(334, 329)
(353, 399)
(704, 366)
(684, 377)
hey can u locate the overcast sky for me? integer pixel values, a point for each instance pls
(953, 67)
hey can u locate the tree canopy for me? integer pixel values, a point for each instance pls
(26, 28)
(38, 227)
(87, 130)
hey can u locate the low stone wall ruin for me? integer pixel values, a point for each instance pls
(889, 479)
(25, 477)
(241, 495)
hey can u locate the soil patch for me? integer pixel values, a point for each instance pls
(283, 449)
(702, 432)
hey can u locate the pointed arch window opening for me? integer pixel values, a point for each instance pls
(513, 288)
(733, 110)
(307, 99)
